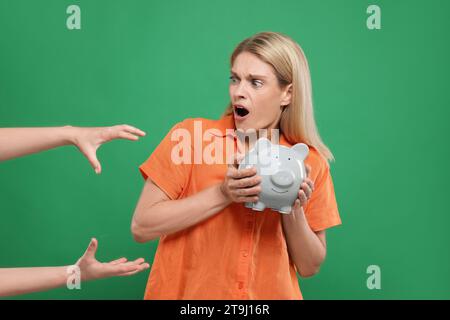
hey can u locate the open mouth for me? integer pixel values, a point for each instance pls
(279, 191)
(241, 111)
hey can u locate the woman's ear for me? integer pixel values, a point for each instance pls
(286, 95)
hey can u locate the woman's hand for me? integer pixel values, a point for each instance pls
(91, 269)
(305, 192)
(241, 185)
(88, 140)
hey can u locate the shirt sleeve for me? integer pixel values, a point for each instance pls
(321, 210)
(164, 167)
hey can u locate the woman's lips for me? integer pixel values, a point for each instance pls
(240, 112)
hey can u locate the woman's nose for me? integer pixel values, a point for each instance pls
(240, 91)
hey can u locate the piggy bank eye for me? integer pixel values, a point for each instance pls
(289, 158)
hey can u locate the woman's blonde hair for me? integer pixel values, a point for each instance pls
(289, 63)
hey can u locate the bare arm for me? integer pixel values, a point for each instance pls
(306, 247)
(14, 281)
(17, 142)
(157, 215)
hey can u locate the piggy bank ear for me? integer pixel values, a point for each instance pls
(262, 144)
(301, 149)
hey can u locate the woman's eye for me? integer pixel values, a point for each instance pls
(257, 83)
(233, 79)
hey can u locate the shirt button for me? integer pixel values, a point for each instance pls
(240, 285)
(245, 254)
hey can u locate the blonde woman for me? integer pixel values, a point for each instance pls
(210, 245)
(17, 142)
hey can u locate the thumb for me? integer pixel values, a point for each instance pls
(297, 205)
(91, 155)
(238, 159)
(91, 249)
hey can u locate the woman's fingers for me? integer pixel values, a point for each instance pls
(127, 136)
(297, 205)
(305, 192)
(130, 266)
(130, 273)
(242, 185)
(91, 249)
(302, 197)
(306, 189)
(310, 183)
(240, 173)
(140, 268)
(90, 139)
(128, 132)
(91, 155)
(133, 130)
(134, 263)
(247, 199)
(118, 261)
(245, 182)
(119, 269)
(123, 131)
(138, 261)
(247, 191)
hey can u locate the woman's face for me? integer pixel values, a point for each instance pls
(255, 94)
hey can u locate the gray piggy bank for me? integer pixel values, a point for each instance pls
(282, 171)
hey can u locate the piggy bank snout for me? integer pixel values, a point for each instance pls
(282, 178)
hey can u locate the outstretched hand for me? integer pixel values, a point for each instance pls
(91, 268)
(88, 140)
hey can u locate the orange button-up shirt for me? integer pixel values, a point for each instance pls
(238, 253)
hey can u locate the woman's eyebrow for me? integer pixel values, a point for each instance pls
(250, 76)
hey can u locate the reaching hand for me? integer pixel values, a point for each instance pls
(88, 140)
(91, 268)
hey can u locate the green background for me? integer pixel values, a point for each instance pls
(381, 102)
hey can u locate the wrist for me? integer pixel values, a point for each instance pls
(72, 274)
(225, 199)
(69, 135)
(297, 214)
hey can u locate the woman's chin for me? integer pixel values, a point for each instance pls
(245, 128)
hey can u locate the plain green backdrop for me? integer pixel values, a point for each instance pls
(381, 100)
